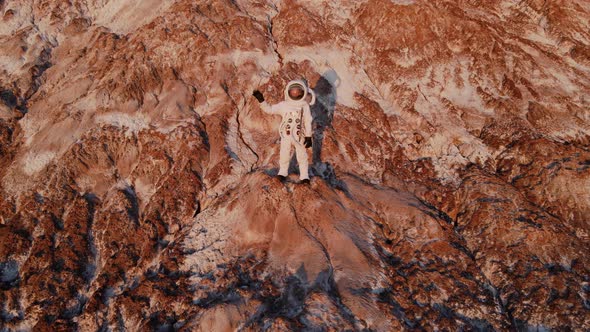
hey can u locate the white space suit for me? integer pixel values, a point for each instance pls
(295, 127)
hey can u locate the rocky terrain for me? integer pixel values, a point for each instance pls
(451, 166)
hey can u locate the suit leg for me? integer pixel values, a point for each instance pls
(284, 156)
(301, 153)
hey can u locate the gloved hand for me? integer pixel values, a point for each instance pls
(258, 95)
(307, 143)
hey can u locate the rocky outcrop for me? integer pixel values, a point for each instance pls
(450, 166)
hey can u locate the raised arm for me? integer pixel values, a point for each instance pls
(266, 107)
(269, 109)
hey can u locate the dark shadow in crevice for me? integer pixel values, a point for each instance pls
(290, 303)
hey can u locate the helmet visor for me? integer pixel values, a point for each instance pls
(296, 92)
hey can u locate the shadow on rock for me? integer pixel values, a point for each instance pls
(323, 115)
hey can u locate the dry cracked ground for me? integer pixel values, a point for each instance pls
(451, 166)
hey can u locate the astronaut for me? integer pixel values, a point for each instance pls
(295, 128)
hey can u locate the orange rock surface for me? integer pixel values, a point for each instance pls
(450, 168)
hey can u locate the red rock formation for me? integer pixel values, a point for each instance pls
(450, 166)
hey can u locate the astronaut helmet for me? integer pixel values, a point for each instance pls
(298, 90)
